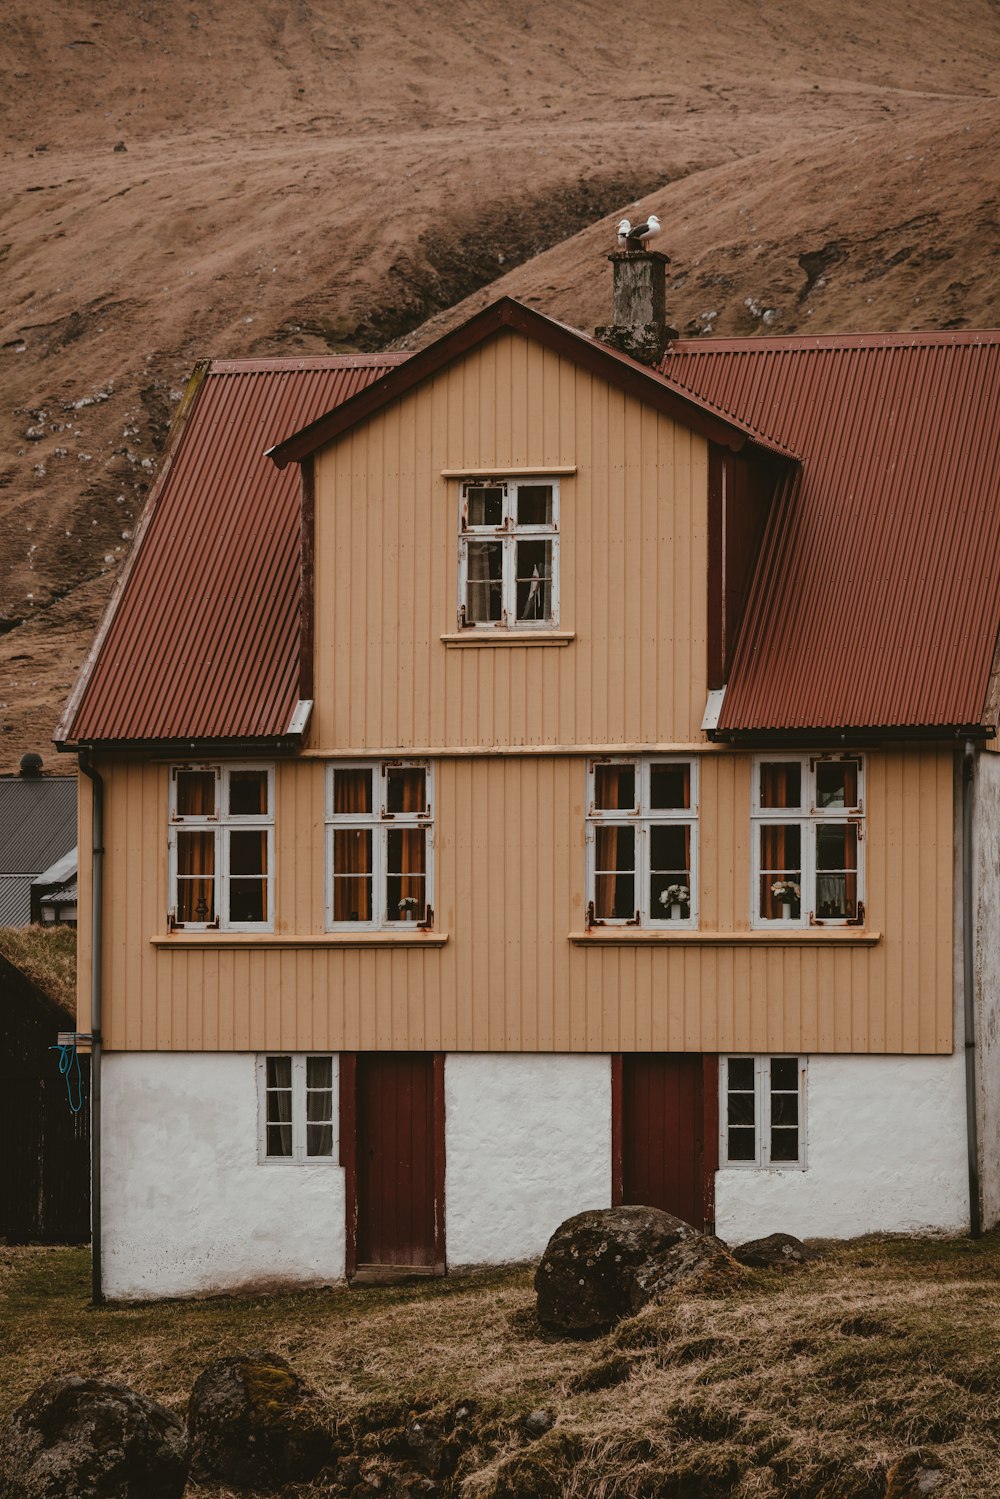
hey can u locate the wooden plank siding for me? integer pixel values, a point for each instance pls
(633, 566)
(510, 888)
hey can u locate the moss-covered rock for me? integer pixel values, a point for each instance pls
(77, 1438)
(254, 1423)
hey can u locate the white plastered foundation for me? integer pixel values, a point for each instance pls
(527, 1144)
(885, 1152)
(187, 1207)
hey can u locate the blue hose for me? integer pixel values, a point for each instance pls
(68, 1060)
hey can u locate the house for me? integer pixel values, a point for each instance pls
(37, 827)
(549, 777)
(45, 1165)
(53, 893)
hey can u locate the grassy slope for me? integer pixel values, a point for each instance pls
(47, 955)
(809, 1385)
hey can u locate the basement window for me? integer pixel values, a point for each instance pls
(642, 843)
(762, 1111)
(380, 845)
(221, 848)
(808, 841)
(508, 554)
(295, 1096)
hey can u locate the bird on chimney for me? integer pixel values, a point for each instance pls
(638, 235)
(624, 230)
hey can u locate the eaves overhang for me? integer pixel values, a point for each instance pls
(506, 314)
(855, 735)
(276, 744)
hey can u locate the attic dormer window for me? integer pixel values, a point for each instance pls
(508, 554)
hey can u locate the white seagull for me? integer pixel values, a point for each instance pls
(624, 230)
(637, 236)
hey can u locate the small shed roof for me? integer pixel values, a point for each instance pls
(201, 640)
(875, 600)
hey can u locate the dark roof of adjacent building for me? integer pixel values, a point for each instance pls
(201, 639)
(37, 822)
(874, 601)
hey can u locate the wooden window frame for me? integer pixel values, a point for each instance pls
(642, 817)
(298, 1156)
(507, 535)
(379, 822)
(809, 818)
(218, 824)
(762, 1110)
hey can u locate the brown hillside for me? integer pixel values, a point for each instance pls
(331, 175)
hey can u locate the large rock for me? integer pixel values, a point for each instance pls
(776, 1252)
(255, 1424)
(597, 1266)
(80, 1438)
(700, 1264)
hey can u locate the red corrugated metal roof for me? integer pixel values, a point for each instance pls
(201, 641)
(874, 602)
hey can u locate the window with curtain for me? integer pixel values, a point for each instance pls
(508, 554)
(642, 845)
(808, 815)
(379, 844)
(221, 847)
(762, 1111)
(298, 1122)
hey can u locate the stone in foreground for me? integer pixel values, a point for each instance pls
(78, 1438)
(777, 1251)
(254, 1423)
(589, 1276)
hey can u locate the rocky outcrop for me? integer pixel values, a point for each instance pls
(253, 1422)
(80, 1438)
(603, 1265)
(777, 1251)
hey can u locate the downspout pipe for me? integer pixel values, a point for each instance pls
(968, 987)
(96, 978)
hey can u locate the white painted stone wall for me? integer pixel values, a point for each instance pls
(986, 875)
(885, 1152)
(527, 1144)
(187, 1207)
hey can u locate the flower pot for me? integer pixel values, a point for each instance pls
(786, 910)
(675, 910)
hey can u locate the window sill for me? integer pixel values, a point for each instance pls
(645, 936)
(415, 938)
(509, 637)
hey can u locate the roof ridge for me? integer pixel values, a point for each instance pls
(282, 363)
(823, 343)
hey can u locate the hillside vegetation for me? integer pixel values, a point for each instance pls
(248, 177)
(813, 1385)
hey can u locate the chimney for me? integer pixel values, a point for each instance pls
(640, 305)
(31, 765)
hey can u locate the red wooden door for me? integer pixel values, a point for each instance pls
(396, 1178)
(667, 1107)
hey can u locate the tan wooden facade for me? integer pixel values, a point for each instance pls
(508, 727)
(633, 567)
(515, 972)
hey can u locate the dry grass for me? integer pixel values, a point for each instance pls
(806, 1385)
(47, 954)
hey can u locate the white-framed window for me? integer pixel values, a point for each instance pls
(642, 842)
(220, 845)
(508, 554)
(296, 1112)
(380, 844)
(808, 841)
(762, 1111)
